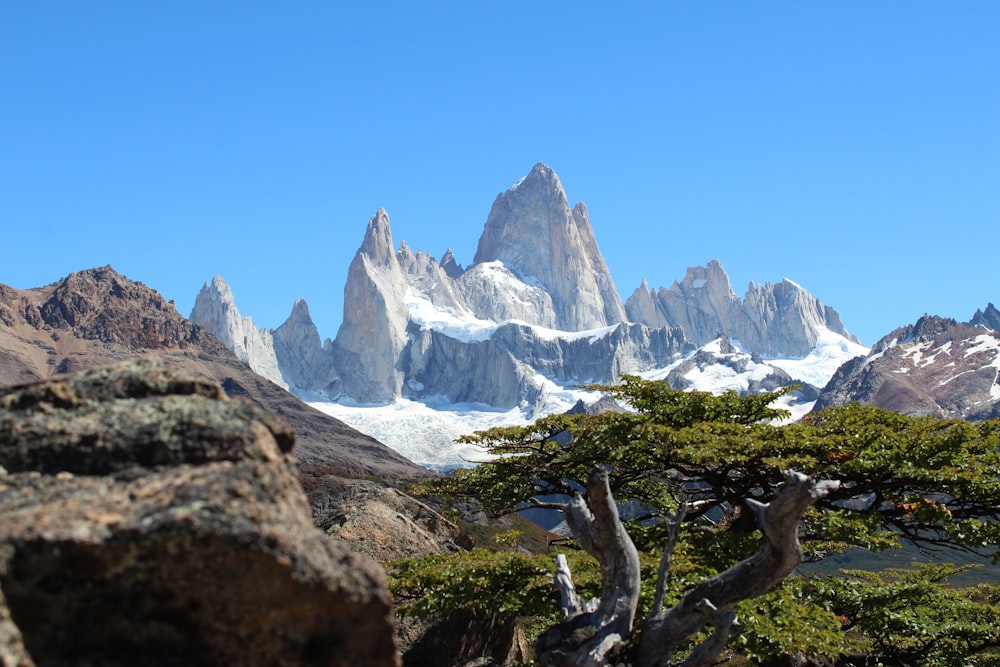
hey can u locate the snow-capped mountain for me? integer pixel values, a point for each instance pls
(780, 319)
(936, 366)
(536, 314)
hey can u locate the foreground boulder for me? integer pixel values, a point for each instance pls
(150, 520)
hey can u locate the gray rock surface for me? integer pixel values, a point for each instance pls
(303, 360)
(163, 523)
(373, 333)
(506, 364)
(533, 231)
(773, 319)
(215, 309)
(987, 319)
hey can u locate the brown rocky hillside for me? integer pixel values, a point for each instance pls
(98, 317)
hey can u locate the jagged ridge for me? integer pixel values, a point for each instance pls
(538, 303)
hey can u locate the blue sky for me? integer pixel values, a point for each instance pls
(853, 147)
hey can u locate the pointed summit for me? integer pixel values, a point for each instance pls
(987, 319)
(450, 266)
(534, 233)
(378, 238)
(373, 332)
(304, 361)
(215, 309)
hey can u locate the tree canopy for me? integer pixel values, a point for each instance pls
(893, 480)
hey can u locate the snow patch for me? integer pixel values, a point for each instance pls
(831, 352)
(426, 431)
(983, 343)
(464, 327)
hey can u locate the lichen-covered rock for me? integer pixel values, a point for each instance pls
(149, 520)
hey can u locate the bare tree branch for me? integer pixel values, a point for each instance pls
(714, 598)
(588, 637)
(669, 545)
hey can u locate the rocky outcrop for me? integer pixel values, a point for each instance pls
(987, 319)
(215, 309)
(493, 292)
(534, 233)
(936, 366)
(703, 305)
(718, 365)
(773, 319)
(149, 519)
(783, 319)
(385, 523)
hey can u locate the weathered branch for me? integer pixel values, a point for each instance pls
(569, 599)
(713, 600)
(590, 635)
(669, 545)
(587, 637)
(599, 529)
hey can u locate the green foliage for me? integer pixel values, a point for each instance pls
(908, 616)
(923, 480)
(495, 581)
(786, 621)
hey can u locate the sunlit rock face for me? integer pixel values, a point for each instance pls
(215, 309)
(772, 319)
(373, 333)
(533, 231)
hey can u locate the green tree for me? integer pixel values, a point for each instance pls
(885, 479)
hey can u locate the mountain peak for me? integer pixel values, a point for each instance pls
(378, 237)
(541, 175)
(533, 232)
(987, 319)
(450, 266)
(300, 310)
(220, 287)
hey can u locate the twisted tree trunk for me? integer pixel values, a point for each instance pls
(597, 634)
(593, 630)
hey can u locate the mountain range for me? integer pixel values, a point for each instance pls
(538, 303)
(429, 350)
(537, 313)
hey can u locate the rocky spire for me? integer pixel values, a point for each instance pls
(377, 244)
(449, 264)
(373, 333)
(534, 233)
(987, 319)
(215, 309)
(304, 360)
(641, 307)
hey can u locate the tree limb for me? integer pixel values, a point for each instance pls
(668, 551)
(713, 599)
(587, 637)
